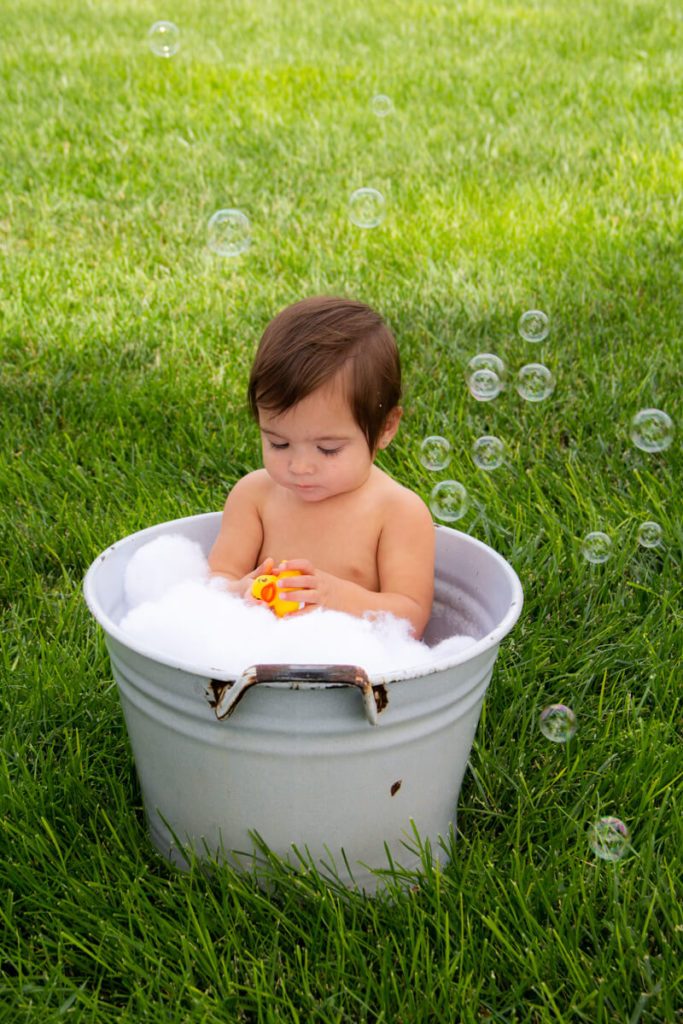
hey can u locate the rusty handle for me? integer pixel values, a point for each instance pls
(228, 694)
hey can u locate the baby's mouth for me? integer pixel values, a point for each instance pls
(306, 488)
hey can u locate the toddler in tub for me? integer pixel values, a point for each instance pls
(324, 389)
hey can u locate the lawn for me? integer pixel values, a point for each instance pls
(533, 159)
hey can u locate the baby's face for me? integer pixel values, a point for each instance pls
(316, 449)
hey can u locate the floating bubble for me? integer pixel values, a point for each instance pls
(484, 385)
(609, 838)
(229, 232)
(533, 325)
(650, 534)
(652, 430)
(596, 547)
(485, 361)
(488, 452)
(557, 723)
(484, 375)
(535, 382)
(163, 38)
(366, 207)
(435, 452)
(382, 105)
(448, 500)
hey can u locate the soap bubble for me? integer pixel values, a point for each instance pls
(229, 232)
(484, 385)
(163, 38)
(485, 361)
(484, 375)
(596, 547)
(382, 105)
(652, 430)
(533, 325)
(649, 534)
(366, 207)
(557, 723)
(488, 452)
(609, 838)
(448, 500)
(435, 452)
(535, 382)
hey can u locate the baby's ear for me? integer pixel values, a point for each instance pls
(388, 432)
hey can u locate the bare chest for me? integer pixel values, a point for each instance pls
(339, 543)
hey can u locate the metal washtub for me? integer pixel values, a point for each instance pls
(319, 757)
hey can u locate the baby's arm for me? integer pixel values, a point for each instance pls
(236, 548)
(405, 563)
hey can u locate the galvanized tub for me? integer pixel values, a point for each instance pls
(323, 758)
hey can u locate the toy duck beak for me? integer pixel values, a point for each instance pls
(268, 592)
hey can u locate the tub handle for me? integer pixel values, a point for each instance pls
(227, 694)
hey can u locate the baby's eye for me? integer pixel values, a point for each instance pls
(329, 451)
(280, 446)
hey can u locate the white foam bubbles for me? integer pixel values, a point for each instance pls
(161, 564)
(177, 610)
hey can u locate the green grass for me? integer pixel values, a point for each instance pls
(534, 159)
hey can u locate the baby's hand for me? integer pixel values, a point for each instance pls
(313, 587)
(245, 583)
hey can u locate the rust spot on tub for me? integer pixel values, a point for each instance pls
(395, 787)
(216, 689)
(381, 696)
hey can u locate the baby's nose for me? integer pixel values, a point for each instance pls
(300, 465)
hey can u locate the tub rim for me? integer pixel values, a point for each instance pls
(488, 642)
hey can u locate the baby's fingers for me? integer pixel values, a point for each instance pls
(264, 568)
(300, 564)
(290, 583)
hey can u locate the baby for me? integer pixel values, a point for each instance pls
(324, 389)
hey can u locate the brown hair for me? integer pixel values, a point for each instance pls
(308, 343)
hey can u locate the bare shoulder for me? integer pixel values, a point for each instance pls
(406, 526)
(400, 502)
(251, 488)
(405, 551)
(235, 550)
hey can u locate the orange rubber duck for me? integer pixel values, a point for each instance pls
(265, 589)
